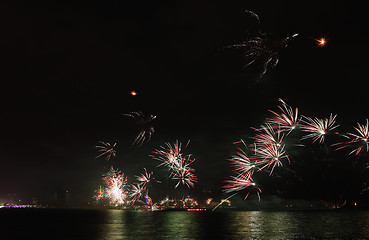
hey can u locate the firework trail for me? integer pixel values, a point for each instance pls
(268, 147)
(321, 42)
(271, 155)
(244, 167)
(99, 194)
(169, 156)
(262, 48)
(136, 192)
(242, 164)
(267, 150)
(266, 135)
(287, 120)
(106, 149)
(177, 164)
(116, 187)
(145, 178)
(140, 189)
(318, 128)
(359, 140)
(143, 123)
(238, 183)
(184, 175)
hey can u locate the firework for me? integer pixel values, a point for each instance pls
(136, 192)
(189, 202)
(169, 156)
(209, 201)
(318, 128)
(184, 175)
(116, 187)
(271, 155)
(266, 135)
(239, 183)
(321, 41)
(287, 120)
(143, 123)
(242, 164)
(244, 167)
(145, 178)
(99, 194)
(177, 163)
(106, 149)
(360, 139)
(268, 147)
(262, 48)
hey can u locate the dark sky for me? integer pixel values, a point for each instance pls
(67, 69)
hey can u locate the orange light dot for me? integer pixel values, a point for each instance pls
(321, 42)
(133, 93)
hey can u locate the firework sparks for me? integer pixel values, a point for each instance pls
(177, 164)
(318, 128)
(262, 48)
(271, 155)
(360, 139)
(266, 135)
(242, 164)
(238, 184)
(145, 178)
(99, 194)
(321, 41)
(269, 147)
(106, 149)
(169, 156)
(116, 187)
(184, 175)
(288, 120)
(143, 123)
(244, 167)
(136, 192)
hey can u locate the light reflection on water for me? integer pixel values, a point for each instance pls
(149, 225)
(115, 226)
(235, 225)
(140, 225)
(263, 224)
(300, 225)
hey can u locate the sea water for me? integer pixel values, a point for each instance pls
(125, 224)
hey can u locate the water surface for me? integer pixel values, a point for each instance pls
(137, 225)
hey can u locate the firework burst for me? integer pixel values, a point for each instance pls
(321, 42)
(271, 155)
(106, 149)
(184, 175)
(99, 194)
(238, 183)
(287, 120)
(116, 187)
(318, 128)
(242, 164)
(145, 178)
(136, 192)
(262, 48)
(143, 123)
(169, 156)
(360, 139)
(267, 135)
(177, 163)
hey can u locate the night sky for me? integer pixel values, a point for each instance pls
(68, 67)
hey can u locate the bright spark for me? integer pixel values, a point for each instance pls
(321, 42)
